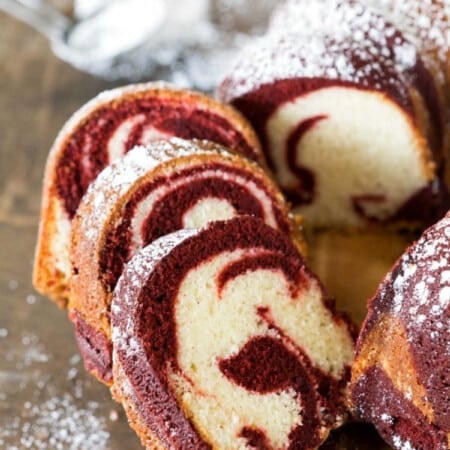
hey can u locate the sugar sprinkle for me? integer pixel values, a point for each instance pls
(328, 39)
(57, 424)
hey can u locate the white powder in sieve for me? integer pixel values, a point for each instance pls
(187, 42)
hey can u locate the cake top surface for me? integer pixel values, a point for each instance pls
(110, 185)
(419, 286)
(332, 40)
(424, 22)
(113, 94)
(341, 18)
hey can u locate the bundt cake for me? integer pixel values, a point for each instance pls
(401, 373)
(223, 339)
(104, 129)
(149, 193)
(348, 114)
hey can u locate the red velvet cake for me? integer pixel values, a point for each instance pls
(401, 374)
(103, 130)
(349, 116)
(223, 339)
(149, 193)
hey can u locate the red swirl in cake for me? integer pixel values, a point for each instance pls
(379, 109)
(213, 328)
(105, 129)
(401, 375)
(303, 192)
(149, 193)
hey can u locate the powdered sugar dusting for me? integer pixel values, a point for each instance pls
(327, 39)
(57, 424)
(125, 306)
(177, 147)
(414, 299)
(337, 18)
(125, 302)
(402, 445)
(44, 411)
(110, 185)
(444, 298)
(416, 293)
(399, 283)
(424, 22)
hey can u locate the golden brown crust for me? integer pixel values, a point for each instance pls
(387, 346)
(427, 135)
(50, 275)
(148, 439)
(47, 278)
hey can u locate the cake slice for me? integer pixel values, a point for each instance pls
(151, 192)
(349, 116)
(223, 339)
(401, 373)
(103, 130)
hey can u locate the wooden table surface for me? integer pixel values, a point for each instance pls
(46, 398)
